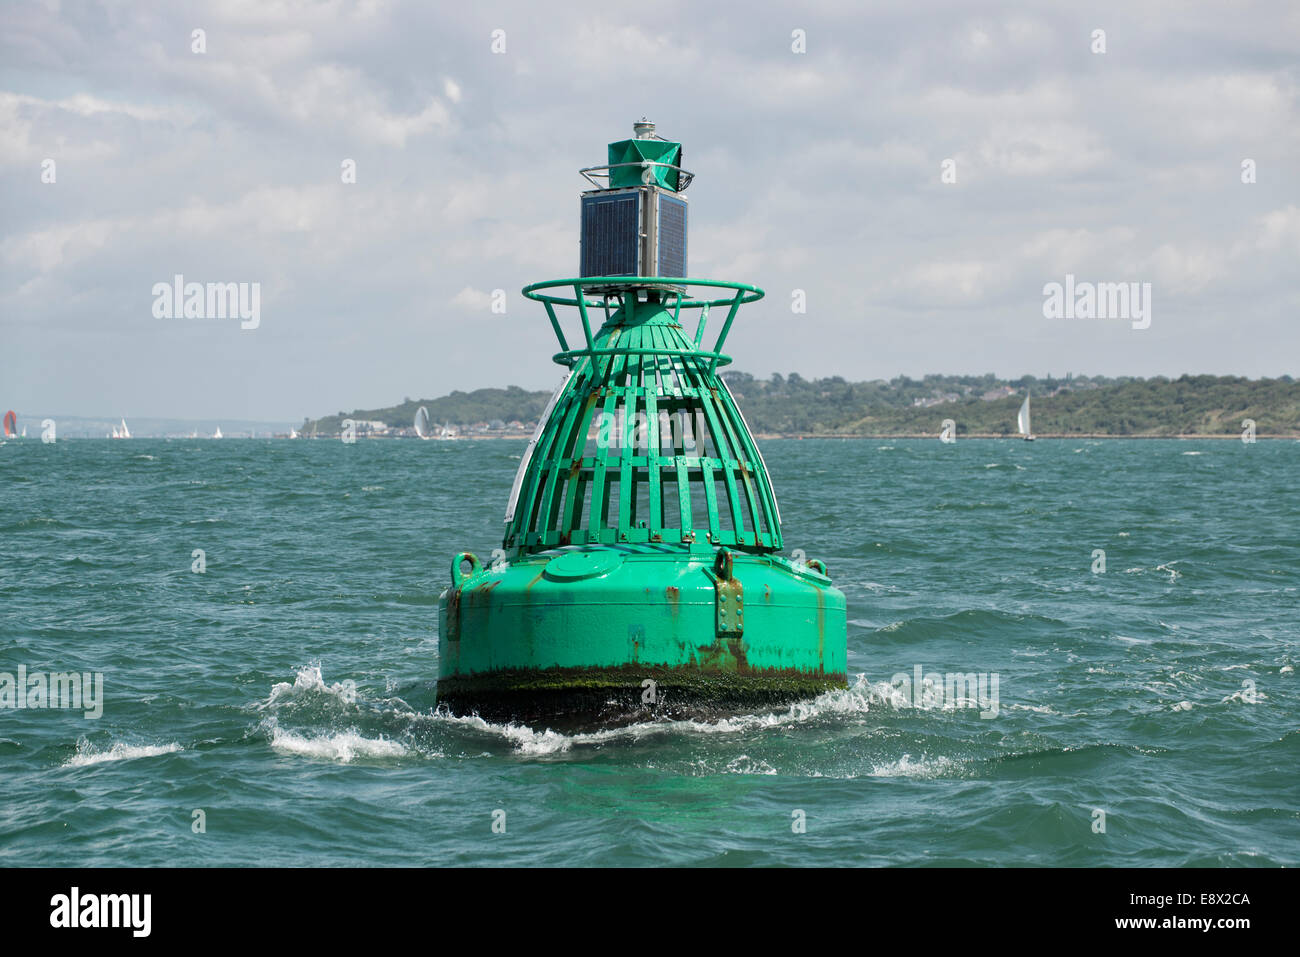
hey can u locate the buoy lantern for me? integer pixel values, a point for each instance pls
(643, 571)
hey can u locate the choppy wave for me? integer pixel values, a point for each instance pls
(1118, 689)
(922, 767)
(342, 746)
(861, 697)
(310, 681)
(346, 743)
(88, 754)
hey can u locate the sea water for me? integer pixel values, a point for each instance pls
(263, 617)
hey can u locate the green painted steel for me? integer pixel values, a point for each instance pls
(645, 444)
(517, 638)
(627, 159)
(642, 537)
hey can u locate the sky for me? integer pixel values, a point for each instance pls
(918, 172)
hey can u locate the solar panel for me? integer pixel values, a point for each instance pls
(610, 234)
(672, 237)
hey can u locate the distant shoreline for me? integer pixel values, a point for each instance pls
(980, 406)
(1015, 438)
(763, 436)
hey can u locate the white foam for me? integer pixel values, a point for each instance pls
(1246, 696)
(310, 679)
(531, 742)
(1036, 708)
(88, 754)
(341, 746)
(905, 767)
(862, 697)
(744, 764)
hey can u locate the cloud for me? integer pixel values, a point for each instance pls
(817, 171)
(472, 299)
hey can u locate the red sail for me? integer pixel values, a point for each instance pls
(11, 423)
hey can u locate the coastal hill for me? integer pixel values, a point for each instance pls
(980, 405)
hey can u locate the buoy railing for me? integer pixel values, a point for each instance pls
(673, 291)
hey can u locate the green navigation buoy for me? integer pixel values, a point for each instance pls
(642, 571)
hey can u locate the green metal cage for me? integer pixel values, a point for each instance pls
(643, 443)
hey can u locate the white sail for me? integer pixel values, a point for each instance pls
(422, 422)
(532, 444)
(1022, 420)
(126, 433)
(217, 434)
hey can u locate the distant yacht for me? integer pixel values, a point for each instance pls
(293, 433)
(1022, 420)
(122, 433)
(11, 424)
(422, 423)
(217, 434)
(447, 433)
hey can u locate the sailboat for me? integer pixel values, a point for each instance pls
(217, 434)
(11, 424)
(422, 422)
(1022, 420)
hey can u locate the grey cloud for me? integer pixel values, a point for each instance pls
(817, 171)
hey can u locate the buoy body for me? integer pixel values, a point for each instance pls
(601, 634)
(644, 572)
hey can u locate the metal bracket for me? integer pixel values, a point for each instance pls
(730, 596)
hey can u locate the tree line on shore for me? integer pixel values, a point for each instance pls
(1074, 405)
